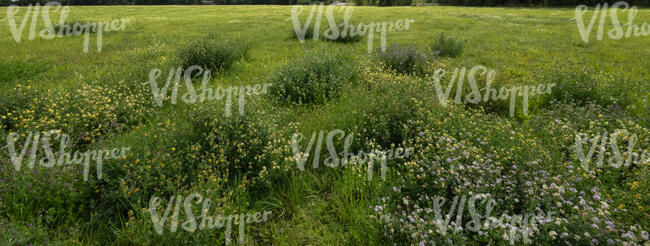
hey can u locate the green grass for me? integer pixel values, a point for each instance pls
(101, 100)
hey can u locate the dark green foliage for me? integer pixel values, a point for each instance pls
(395, 111)
(223, 138)
(213, 53)
(314, 78)
(16, 70)
(447, 46)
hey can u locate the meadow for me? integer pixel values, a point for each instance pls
(245, 162)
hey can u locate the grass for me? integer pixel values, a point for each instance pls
(99, 98)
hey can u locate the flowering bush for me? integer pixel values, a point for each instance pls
(505, 162)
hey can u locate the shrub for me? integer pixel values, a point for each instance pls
(447, 46)
(395, 109)
(222, 138)
(314, 78)
(213, 53)
(403, 58)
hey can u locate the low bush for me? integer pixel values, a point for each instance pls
(213, 53)
(396, 108)
(222, 140)
(314, 78)
(404, 58)
(447, 46)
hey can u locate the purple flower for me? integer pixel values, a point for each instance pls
(629, 235)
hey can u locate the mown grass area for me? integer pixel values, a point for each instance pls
(246, 164)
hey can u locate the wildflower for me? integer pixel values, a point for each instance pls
(629, 235)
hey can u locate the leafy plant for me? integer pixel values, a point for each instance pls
(213, 53)
(448, 46)
(314, 78)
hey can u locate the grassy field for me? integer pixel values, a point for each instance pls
(245, 164)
